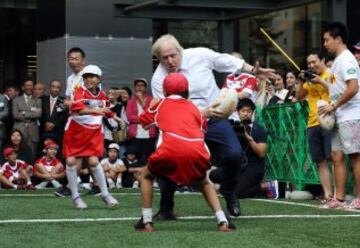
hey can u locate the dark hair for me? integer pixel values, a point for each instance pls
(329, 57)
(337, 29)
(11, 85)
(26, 80)
(76, 50)
(128, 90)
(246, 102)
(21, 135)
(317, 51)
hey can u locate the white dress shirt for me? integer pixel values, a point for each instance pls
(197, 65)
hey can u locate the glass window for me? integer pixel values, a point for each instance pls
(195, 33)
(296, 30)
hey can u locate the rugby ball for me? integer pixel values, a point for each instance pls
(326, 121)
(227, 100)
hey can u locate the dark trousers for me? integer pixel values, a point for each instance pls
(144, 146)
(248, 181)
(225, 151)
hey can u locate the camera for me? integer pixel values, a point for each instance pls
(308, 75)
(240, 126)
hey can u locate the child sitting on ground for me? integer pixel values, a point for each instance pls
(182, 155)
(48, 168)
(15, 172)
(113, 166)
(131, 177)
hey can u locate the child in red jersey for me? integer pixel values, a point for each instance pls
(48, 168)
(15, 172)
(181, 154)
(83, 137)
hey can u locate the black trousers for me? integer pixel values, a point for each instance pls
(248, 181)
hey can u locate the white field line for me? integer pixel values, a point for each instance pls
(297, 216)
(302, 204)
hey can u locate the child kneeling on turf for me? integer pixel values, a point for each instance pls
(113, 166)
(15, 172)
(182, 155)
(48, 168)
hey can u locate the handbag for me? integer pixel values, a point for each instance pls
(120, 135)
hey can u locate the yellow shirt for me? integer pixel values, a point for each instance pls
(315, 93)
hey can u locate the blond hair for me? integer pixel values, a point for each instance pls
(165, 39)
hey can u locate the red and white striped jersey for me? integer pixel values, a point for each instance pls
(9, 170)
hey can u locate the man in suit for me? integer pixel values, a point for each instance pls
(26, 111)
(11, 91)
(53, 114)
(4, 112)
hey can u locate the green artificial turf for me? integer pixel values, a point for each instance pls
(251, 232)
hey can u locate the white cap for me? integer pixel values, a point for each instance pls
(92, 69)
(114, 146)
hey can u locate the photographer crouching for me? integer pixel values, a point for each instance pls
(252, 136)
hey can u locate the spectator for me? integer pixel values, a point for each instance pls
(10, 93)
(134, 165)
(110, 124)
(16, 171)
(280, 94)
(125, 95)
(291, 84)
(344, 93)
(4, 112)
(53, 115)
(113, 166)
(26, 111)
(39, 90)
(357, 52)
(140, 137)
(250, 180)
(16, 141)
(76, 61)
(319, 138)
(48, 169)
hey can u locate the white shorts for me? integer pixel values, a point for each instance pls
(346, 137)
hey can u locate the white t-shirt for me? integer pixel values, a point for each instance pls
(111, 165)
(344, 68)
(197, 65)
(74, 81)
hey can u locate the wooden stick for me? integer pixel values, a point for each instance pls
(280, 49)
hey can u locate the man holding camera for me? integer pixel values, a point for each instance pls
(313, 87)
(252, 138)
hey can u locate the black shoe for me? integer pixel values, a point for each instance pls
(165, 215)
(232, 204)
(95, 191)
(144, 227)
(63, 192)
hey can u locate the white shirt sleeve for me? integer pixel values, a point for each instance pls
(120, 162)
(221, 62)
(157, 83)
(68, 91)
(349, 70)
(103, 161)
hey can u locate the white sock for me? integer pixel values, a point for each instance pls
(220, 216)
(147, 214)
(119, 179)
(55, 183)
(42, 185)
(99, 176)
(71, 174)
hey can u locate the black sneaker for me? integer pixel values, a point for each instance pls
(144, 227)
(63, 192)
(95, 191)
(232, 204)
(165, 215)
